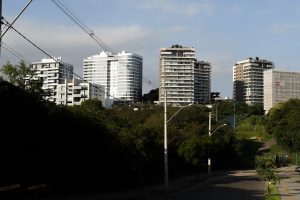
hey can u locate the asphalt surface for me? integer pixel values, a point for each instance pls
(234, 185)
(240, 185)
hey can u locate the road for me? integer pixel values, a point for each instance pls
(242, 185)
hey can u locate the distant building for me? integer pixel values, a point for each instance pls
(53, 73)
(248, 80)
(75, 91)
(279, 87)
(120, 74)
(185, 79)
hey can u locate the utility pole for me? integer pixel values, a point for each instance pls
(0, 25)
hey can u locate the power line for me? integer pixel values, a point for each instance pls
(70, 13)
(14, 52)
(67, 10)
(28, 40)
(16, 18)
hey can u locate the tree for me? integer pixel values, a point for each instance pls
(22, 76)
(265, 166)
(10, 73)
(151, 96)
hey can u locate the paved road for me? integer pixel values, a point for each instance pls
(289, 186)
(243, 185)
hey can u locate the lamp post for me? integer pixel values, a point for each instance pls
(166, 120)
(210, 134)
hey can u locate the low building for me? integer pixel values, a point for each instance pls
(75, 91)
(52, 72)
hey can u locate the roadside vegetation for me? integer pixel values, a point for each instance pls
(273, 193)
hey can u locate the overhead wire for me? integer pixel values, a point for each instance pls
(67, 10)
(47, 54)
(14, 52)
(15, 18)
(70, 13)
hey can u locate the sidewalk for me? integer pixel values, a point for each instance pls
(289, 187)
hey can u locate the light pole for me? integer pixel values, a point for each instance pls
(166, 120)
(210, 134)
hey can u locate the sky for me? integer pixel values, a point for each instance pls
(223, 32)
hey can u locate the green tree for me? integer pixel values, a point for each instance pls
(10, 73)
(265, 166)
(22, 76)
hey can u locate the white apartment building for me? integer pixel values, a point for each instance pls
(52, 72)
(248, 80)
(74, 92)
(184, 79)
(120, 74)
(279, 87)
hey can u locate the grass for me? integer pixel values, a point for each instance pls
(274, 194)
(246, 130)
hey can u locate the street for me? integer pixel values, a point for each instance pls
(240, 185)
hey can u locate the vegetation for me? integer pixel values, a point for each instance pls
(265, 166)
(273, 193)
(281, 123)
(86, 147)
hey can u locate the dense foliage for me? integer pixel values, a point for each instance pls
(89, 148)
(282, 122)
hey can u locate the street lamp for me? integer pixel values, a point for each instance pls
(210, 134)
(166, 138)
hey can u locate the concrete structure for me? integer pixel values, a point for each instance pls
(52, 72)
(202, 82)
(279, 87)
(185, 79)
(75, 91)
(248, 80)
(120, 74)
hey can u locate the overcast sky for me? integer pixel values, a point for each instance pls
(222, 31)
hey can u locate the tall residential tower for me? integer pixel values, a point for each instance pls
(183, 79)
(120, 74)
(248, 80)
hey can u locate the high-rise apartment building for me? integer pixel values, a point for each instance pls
(184, 79)
(120, 74)
(279, 87)
(74, 92)
(52, 72)
(248, 80)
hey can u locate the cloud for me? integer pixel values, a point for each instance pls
(73, 45)
(284, 28)
(177, 7)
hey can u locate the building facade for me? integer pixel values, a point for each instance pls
(52, 72)
(74, 92)
(120, 74)
(183, 79)
(248, 80)
(279, 87)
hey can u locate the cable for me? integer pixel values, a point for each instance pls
(70, 13)
(15, 53)
(16, 18)
(67, 10)
(28, 40)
